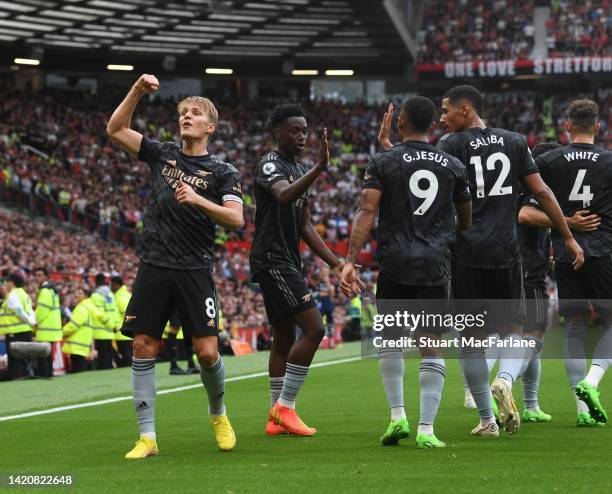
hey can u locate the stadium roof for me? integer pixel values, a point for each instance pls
(250, 36)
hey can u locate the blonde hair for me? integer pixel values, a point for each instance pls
(205, 104)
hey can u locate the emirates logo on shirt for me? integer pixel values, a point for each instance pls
(171, 163)
(203, 173)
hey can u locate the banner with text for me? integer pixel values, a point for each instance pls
(513, 68)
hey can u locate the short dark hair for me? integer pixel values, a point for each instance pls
(117, 280)
(420, 112)
(543, 147)
(17, 279)
(583, 114)
(44, 270)
(467, 93)
(283, 112)
(100, 279)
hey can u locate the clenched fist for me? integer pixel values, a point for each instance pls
(147, 84)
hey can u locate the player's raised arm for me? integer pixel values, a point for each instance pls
(384, 133)
(549, 203)
(287, 193)
(118, 127)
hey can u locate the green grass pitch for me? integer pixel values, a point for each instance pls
(345, 402)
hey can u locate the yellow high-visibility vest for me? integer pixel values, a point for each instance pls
(48, 316)
(105, 322)
(9, 321)
(78, 335)
(122, 297)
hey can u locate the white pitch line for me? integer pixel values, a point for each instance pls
(163, 392)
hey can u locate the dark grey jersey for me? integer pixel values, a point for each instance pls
(416, 220)
(496, 159)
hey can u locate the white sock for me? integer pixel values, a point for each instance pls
(150, 435)
(426, 429)
(581, 405)
(485, 422)
(596, 373)
(397, 413)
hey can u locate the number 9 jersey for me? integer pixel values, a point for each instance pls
(496, 159)
(419, 185)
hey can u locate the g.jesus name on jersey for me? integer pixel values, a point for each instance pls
(496, 159)
(580, 176)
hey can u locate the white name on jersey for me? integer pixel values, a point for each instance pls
(581, 155)
(492, 139)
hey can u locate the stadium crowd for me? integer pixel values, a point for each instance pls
(579, 27)
(475, 30)
(82, 171)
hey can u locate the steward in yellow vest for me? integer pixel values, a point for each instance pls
(124, 343)
(105, 325)
(78, 334)
(16, 321)
(48, 318)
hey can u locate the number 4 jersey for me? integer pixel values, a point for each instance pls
(580, 175)
(496, 159)
(416, 220)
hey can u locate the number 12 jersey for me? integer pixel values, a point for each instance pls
(496, 159)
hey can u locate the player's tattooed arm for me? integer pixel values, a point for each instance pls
(547, 200)
(580, 221)
(118, 127)
(362, 226)
(287, 193)
(229, 215)
(384, 133)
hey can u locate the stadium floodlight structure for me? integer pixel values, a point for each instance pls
(253, 37)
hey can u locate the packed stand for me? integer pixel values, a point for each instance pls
(579, 27)
(87, 175)
(475, 30)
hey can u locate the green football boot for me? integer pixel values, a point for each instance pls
(535, 416)
(585, 420)
(590, 396)
(424, 441)
(398, 429)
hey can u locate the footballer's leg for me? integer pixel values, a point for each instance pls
(146, 316)
(586, 389)
(212, 373)
(508, 285)
(283, 338)
(432, 374)
(144, 394)
(531, 372)
(298, 363)
(391, 364)
(474, 366)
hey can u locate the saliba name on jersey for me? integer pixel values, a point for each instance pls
(425, 155)
(486, 141)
